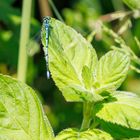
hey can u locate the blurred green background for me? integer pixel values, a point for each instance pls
(81, 15)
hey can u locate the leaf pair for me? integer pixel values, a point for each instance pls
(75, 68)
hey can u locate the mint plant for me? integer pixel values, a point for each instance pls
(108, 114)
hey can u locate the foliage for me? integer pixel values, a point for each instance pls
(73, 134)
(108, 113)
(82, 15)
(87, 79)
(9, 36)
(21, 114)
(115, 26)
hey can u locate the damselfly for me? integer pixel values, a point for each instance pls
(33, 46)
(46, 25)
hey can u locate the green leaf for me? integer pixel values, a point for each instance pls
(117, 131)
(123, 112)
(21, 114)
(73, 134)
(133, 4)
(132, 139)
(111, 71)
(87, 76)
(9, 2)
(69, 54)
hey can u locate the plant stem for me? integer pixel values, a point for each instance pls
(87, 115)
(24, 36)
(44, 8)
(55, 10)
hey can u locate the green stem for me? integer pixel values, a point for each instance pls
(87, 115)
(55, 11)
(24, 36)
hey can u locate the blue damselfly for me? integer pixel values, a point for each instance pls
(35, 42)
(46, 25)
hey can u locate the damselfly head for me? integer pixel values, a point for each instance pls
(46, 19)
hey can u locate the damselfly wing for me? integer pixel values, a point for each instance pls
(33, 46)
(35, 42)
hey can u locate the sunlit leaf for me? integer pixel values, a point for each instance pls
(21, 114)
(87, 76)
(121, 115)
(73, 134)
(111, 70)
(68, 54)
